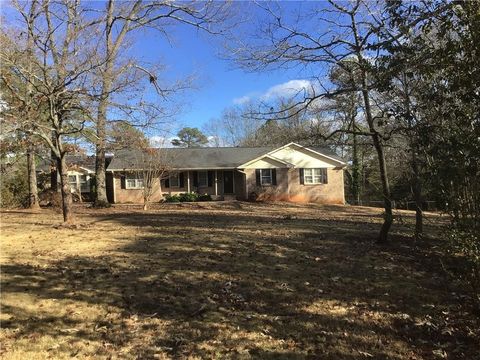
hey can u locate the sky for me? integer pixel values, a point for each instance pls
(219, 84)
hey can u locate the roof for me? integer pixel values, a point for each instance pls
(73, 161)
(203, 158)
(326, 151)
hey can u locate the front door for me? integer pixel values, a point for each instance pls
(228, 182)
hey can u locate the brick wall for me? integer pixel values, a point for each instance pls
(288, 187)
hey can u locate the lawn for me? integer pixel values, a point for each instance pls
(227, 280)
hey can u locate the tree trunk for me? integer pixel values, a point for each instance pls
(100, 185)
(377, 143)
(66, 194)
(355, 169)
(417, 196)
(100, 182)
(387, 201)
(53, 166)
(111, 49)
(33, 201)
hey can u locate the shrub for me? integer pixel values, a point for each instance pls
(188, 197)
(50, 198)
(204, 197)
(14, 188)
(465, 247)
(172, 198)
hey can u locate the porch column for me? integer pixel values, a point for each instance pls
(188, 181)
(216, 185)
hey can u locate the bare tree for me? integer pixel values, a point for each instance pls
(61, 59)
(122, 19)
(317, 40)
(154, 164)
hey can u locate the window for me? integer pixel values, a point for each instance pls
(72, 180)
(315, 176)
(83, 183)
(174, 181)
(202, 178)
(134, 181)
(266, 176)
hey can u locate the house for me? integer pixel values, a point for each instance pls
(289, 173)
(81, 172)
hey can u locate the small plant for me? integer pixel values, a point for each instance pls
(204, 197)
(188, 197)
(172, 198)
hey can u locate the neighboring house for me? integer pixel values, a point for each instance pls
(81, 171)
(289, 173)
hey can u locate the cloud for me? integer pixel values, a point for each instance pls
(287, 89)
(241, 100)
(161, 141)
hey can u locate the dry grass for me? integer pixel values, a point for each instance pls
(226, 280)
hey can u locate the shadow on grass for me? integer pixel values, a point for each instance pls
(246, 284)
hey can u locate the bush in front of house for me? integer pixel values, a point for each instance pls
(187, 197)
(204, 197)
(171, 199)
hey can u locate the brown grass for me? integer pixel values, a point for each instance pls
(227, 280)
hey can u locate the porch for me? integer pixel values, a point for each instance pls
(220, 184)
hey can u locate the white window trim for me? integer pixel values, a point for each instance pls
(137, 180)
(270, 176)
(206, 178)
(313, 176)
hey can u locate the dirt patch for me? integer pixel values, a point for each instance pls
(227, 280)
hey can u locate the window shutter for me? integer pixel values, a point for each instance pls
(325, 177)
(195, 178)
(181, 179)
(274, 176)
(122, 181)
(257, 176)
(210, 178)
(167, 183)
(302, 181)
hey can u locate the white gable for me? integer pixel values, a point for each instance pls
(265, 163)
(292, 155)
(302, 158)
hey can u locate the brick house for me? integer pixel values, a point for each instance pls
(289, 173)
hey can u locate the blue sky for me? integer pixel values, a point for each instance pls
(220, 85)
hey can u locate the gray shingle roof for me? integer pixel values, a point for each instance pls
(328, 152)
(84, 161)
(193, 158)
(202, 158)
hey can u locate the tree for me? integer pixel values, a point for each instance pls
(61, 60)
(190, 137)
(345, 30)
(118, 21)
(123, 135)
(155, 164)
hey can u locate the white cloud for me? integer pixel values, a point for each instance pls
(241, 100)
(161, 141)
(287, 89)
